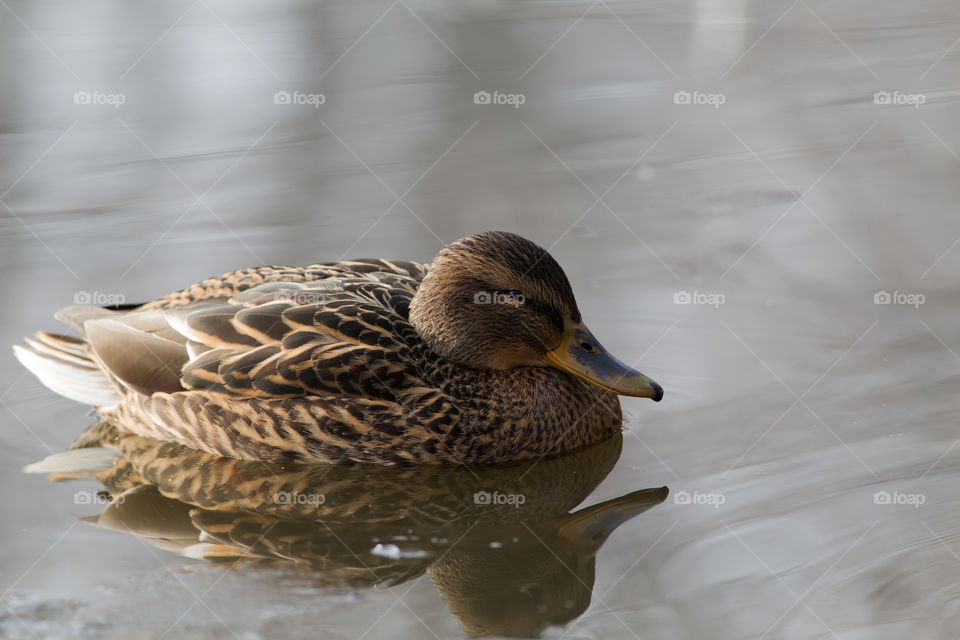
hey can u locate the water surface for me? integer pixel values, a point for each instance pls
(808, 431)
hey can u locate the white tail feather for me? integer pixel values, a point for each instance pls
(67, 374)
(76, 463)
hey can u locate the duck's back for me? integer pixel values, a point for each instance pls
(275, 363)
(229, 284)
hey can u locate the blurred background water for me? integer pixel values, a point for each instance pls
(755, 203)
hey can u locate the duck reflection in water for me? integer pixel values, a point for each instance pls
(501, 545)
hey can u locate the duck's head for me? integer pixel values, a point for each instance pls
(498, 301)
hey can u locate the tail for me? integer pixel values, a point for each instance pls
(75, 463)
(65, 365)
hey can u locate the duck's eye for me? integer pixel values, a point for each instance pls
(514, 298)
(586, 346)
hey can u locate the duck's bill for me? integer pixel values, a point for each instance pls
(582, 355)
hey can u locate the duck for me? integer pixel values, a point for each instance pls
(478, 358)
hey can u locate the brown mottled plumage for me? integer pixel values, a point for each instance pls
(504, 567)
(469, 360)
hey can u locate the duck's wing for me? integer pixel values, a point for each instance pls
(276, 339)
(229, 284)
(334, 337)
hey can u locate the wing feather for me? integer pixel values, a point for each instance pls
(342, 338)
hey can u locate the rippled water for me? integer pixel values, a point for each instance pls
(808, 431)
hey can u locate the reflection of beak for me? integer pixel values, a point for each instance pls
(579, 353)
(597, 522)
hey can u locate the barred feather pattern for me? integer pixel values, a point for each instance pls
(321, 364)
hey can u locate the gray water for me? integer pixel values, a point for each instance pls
(809, 429)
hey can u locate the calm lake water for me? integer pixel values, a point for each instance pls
(755, 204)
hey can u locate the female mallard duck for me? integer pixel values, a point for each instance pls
(480, 357)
